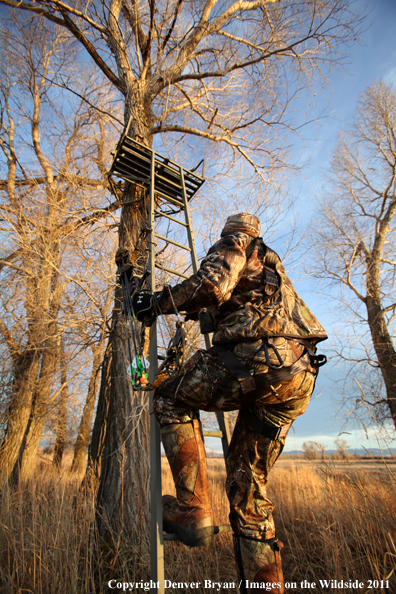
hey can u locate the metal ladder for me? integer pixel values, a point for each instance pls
(172, 186)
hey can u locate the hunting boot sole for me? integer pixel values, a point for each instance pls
(193, 526)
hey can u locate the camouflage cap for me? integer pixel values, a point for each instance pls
(245, 222)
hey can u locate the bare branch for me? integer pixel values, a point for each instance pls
(66, 229)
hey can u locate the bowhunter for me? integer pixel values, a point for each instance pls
(262, 363)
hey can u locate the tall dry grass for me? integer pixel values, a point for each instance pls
(336, 524)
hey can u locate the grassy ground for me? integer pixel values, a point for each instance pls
(337, 521)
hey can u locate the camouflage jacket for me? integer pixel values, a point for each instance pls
(249, 297)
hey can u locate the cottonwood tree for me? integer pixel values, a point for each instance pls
(342, 448)
(94, 331)
(61, 429)
(220, 73)
(310, 450)
(43, 203)
(355, 242)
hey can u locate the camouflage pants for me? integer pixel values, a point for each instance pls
(204, 383)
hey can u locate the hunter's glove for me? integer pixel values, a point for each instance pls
(147, 307)
(144, 307)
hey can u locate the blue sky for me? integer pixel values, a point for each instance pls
(371, 60)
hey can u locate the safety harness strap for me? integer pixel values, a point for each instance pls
(250, 383)
(278, 376)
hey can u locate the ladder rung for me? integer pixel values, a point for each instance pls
(131, 160)
(169, 198)
(213, 433)
(139, 159)
(144, 150)
(162, 214)
(217, 530)
(173, 242)
(173, 184)
(142, 163)
(171, 271)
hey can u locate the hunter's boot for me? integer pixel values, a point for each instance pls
(259, 565)
(189, 514)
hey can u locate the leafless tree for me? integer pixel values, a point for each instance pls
(62, 410)
(342, 448)
(310, 450)
(355, 242)
(43, 203)
(219, 73)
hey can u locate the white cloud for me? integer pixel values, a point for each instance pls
(373, 437)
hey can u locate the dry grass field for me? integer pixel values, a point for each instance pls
(337, 521)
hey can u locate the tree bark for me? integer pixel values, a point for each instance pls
(381, 337)
(95, 451)
(123, 493)
(62, 411)
(386, 355)
(84, 429)
(382, 340)
(26, 371)
(26, 463)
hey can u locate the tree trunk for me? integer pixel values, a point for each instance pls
(95, 451)
(382, 340)
(123, 494)
(26, 463)
(62, 411)
(84, 429)
(385, 352)
(26, 371)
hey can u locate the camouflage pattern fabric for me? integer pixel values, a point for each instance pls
(255, 555)
(248, 297)
(205, 383)
(174, 438)
(252, 301)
